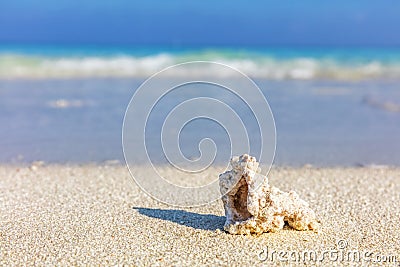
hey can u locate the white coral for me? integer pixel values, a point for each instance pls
(253, 206)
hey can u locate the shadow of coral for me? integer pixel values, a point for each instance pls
(190, 219)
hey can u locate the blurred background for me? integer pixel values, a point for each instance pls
(330, 71)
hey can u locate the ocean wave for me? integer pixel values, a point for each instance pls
(14, 66)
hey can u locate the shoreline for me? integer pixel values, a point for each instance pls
(81, 121)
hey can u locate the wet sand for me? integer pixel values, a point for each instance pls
(96, 215)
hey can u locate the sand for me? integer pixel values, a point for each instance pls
(97, 215)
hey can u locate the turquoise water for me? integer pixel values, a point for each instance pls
(332, 106)
(340, 53)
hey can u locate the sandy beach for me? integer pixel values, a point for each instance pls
(171, 92)
(96, 215)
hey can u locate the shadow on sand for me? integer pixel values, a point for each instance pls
(195, 220)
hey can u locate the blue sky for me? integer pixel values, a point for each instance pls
(202, 22)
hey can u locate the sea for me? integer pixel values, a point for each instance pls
(332, 106)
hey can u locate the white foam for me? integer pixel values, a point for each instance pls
(17, 66)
